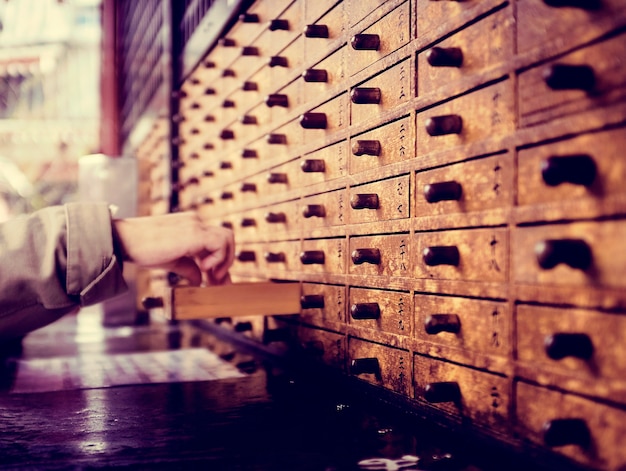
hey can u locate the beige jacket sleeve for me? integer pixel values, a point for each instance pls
(53, 262)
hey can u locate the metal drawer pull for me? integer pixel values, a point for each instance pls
(275, 257)
(277, 178)
(437, 323)
(360, 256)
(248, 222)
(314, 210)
(445, 57)
(365, 201)
(313, 166)
(246, 256)
(366, 147)
(316, 31)
(569, 77)
(441, 255)
(279, 25)
(277, 99)
(584, 4)
(577, 169)
(363, 311)
(313, 121)
(315, 75)
(366, 96)
(573, 252)
(276, 139)
(360, 366)
(365, 42)
(443, 191)
(274, 218)
(445, 391)
(249, 154)
(560, 432)
(443, 125)
(312, 257)
(312, 301)
(567, 344)
(278, 61)
(276, 335)
(249, 86)
(248, 119)
(245, 187)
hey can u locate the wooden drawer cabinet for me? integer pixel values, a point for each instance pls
(380, 365)
(383, 255)
(379, 201)
(381, 310)
(323, 256)
(322, 304)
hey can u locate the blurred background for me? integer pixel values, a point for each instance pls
(50, 60)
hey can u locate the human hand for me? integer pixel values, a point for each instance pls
(180, 243)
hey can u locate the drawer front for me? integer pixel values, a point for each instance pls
(479, 397)
(545, 337)
(582, 168)
(313, 10)
(272, 41)
(323, 210)
(279, 219)
(281, 257)
(322, 304)
(392, 255)
(480, 255)
(470, 324)
(483, 114)
(286, 61)
(335, 113)
(398, 22)
(379, 201)
(326, 347)
(359, 9)
(541, 414)
(248, 258)
(382, 146)
(477, 185)
(476, 54)
(433, 15)
(279, 179)
(335, 161)
(334, 21)
(333, 71)
(392, 88)
(334, 250)
(281, 143)
(597, 255)
(292, 91)
(382, 310)
(380, 365)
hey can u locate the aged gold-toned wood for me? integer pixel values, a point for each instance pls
(395, 308)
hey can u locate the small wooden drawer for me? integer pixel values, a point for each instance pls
(323, 210)
(326, 74)
(585, 79)
(466, 53)
(469, 254)
(254, 21)
(294, 98)
(379, 201)
(382, 310)
(476, 185)
(281, 256)
(477, 396)
(382, 146)
(248, 258)
(588, 432)
(445, 16)
(311, 170)
(313, 10)
(323, 256)
(473, 325)
(478, 116)
(320, 33)
(540, 24)
(587, 254)
(580, 169)
(249, 61)
(279, 219)
(282, 28)
(284, 62)
(281, 143)
(576, 341)
(359, 9)
(380, 94)
(387, 255)
(279, 179)
(380, 365)
(327, 348)
(322, 304)
(392, 31)
(320, 123)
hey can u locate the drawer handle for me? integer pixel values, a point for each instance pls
(366, 96)
(227, 224)
(193, 181)
(243, 326)
(152, 302)
(560, 432)
(209, 91)
(561, 345)
(569, 77)
(248, 222)
(314, 210)
(209, 64)
(250, 51)
(313, 121)
(364, 311)
(227, 42)
(277, 99)
(248, 187)
(195, 106)
(195, 131)
(366, 147)
(313, 257)
(312, 301)
(315, 75)
(277, 178)
(360, 366)
(437, 323)
(365, 42)
(249, 154)
(228, 104)
(275, 257)
(274, 218)
(441, 255)
(208, 200)
(228, 73)
(573, 252)
(278, 25)
(249, 18)
(365, 201)
(278, 61)
(577, 169)
(276, 335)
(443, 191)
(316, 31)
(276, 139)
(313, 166)
(227, 195)
(209, 118)
(225, 164)
(444, 391)
(248, 119)
(584, 4)
(360, 256)
(443, 125)
(249, 86)
(445, 57)
(246, 256)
